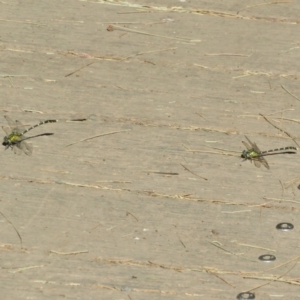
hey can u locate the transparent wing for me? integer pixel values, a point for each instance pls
(20, 128)
(15, 126)
(7, 130)
(17, 149)
(263, 161)
(10, 122)
(247, 145)
(257, 162)
(253, 146)
(27, 148)
(260, 159)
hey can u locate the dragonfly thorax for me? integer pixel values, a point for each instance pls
(249, 154)
(11, 139)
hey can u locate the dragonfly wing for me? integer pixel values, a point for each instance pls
(10, 122)
(254, 146)
(16, 126)
(256, 163)
(264, 162)
(7, 130)
(249, 142)
(27, 148)
(247, 145)
(20, 128)
(17, 149)
(256, 149)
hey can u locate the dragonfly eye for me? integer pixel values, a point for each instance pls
(244, 154)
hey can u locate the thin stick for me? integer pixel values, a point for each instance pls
(193, 172)
(96, 226)
(201, 116)
(8, 75)
(111, 28)
(257, 247)
(282, 188)
(290, 93)
(235, 212)
(210, 272)
(281, 111)
(79, 69)
(214, 243)
(281, 200)
(226, 54)
(221, 149)
(129, 213)
(7, 3)
(276, 277)
(260, 4)
(162, 173)
(293, 138)
(287, 262)
(291, 182)
(93, 137)
(220, 153)
(69, 253)
(26, 268)
(20, 238)
(147, 52)
(33, 111)
(291, 120)
(181, 241)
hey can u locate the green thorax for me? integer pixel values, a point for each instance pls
(13, 138)
(250, 154)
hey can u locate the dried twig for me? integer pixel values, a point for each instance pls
(210, 272)
(260, 4)
(129, 213)
(226, 54)
(181, 241)
(281, 200)
(79, 69)
(200, 115)
(162, 173)
(69, 253)
(287, 262)
(277, 278)
(93, 137)
(114, 27)
(291, 182)
(235, 212)
(20, 238)
(214, 243)
(148, 52)
(293, 138)
(256, 247)
(290, 93)
(26, 268)
(193, 172)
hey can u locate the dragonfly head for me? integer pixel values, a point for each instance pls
(244, 154)
(5, 141)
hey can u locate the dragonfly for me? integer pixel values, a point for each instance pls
(254, 154)
(15, 135)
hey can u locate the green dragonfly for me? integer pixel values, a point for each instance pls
(15, 135)
(254, 154)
